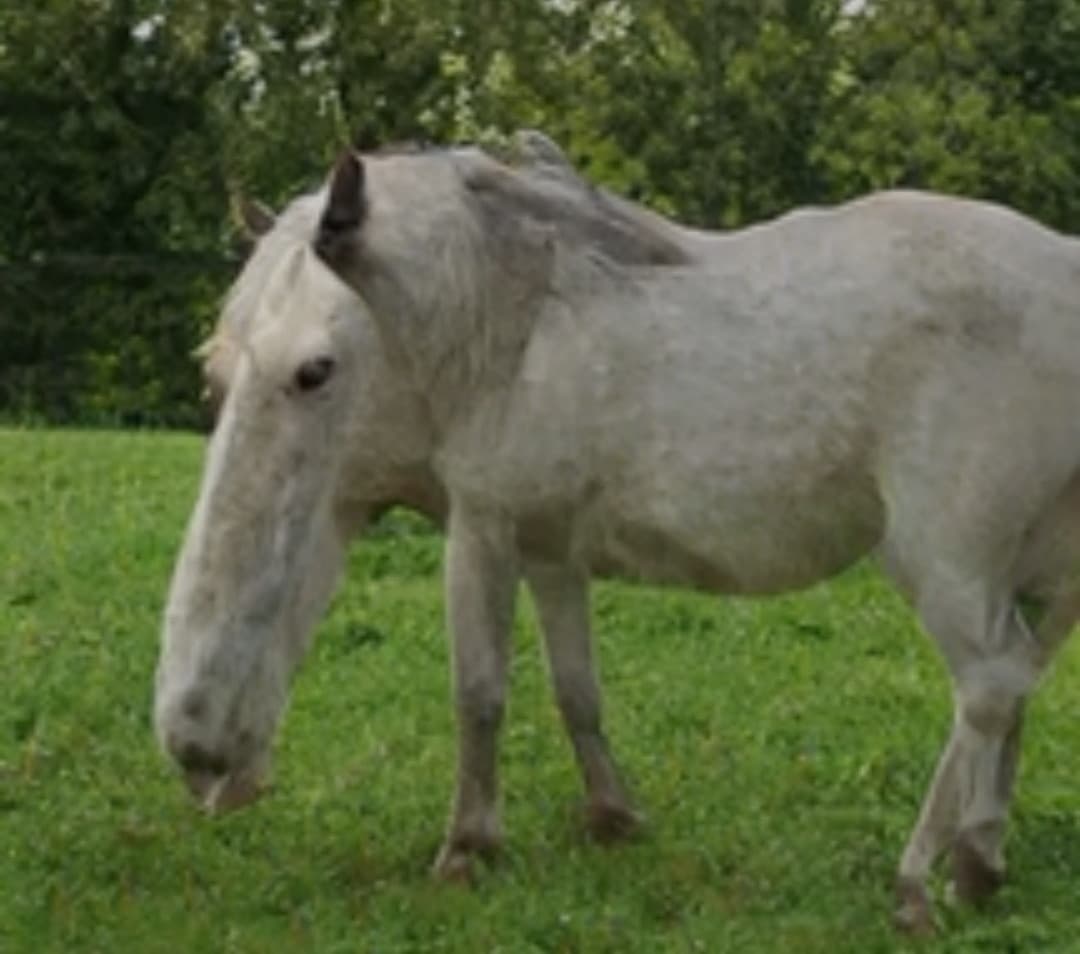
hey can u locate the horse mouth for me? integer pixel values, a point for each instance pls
(219, 794)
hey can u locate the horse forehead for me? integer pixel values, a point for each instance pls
(298, 291)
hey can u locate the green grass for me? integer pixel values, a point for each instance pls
(779, 747)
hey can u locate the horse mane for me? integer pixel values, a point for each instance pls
(544, 187)
(535, 182)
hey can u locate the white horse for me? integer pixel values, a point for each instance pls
(382, 457)
(587, 388)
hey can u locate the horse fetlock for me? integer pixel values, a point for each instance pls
(914, 914)
(453, 866)
(975, 878)
(467, 842)
(608, 821)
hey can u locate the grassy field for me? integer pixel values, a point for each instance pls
(779, 748)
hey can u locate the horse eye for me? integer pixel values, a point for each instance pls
(314, 373)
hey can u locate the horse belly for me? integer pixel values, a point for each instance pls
(751, 548)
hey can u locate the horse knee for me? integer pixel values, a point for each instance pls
(993, 685)
(993, 707)
(481, 704)
(990, 710)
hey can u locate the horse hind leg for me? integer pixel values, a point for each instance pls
(977, 864)
(966, 806)
(994, 662)
(970, 527)
(991, 697)
(1047, 609)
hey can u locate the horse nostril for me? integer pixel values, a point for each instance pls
(194, 758)
(314, 373)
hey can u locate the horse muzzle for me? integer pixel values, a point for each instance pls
(219, 794)
(219, 783)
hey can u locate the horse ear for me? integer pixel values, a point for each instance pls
(251, 217)
(346, 205)
(538, 149)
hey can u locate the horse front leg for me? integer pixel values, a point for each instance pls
(481, 583)
(560, 592)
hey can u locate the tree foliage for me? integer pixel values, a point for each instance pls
(968, 96)
(126, 124)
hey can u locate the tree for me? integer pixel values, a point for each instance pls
(127, 123)
(963, 96)
(711, 107)
(108, 151)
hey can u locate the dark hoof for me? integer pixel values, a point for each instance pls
(974, 880)
(608, 823)
(914, 914)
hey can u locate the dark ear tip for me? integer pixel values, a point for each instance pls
(348, 172)
(346, 203)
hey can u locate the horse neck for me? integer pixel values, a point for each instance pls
(444, 355)
(391, 446)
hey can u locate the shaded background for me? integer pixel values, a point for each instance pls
(125, 125)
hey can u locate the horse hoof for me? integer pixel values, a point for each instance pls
(974, 880)
(458, 857)
(608, 822)
(454, 866)
(914, 915)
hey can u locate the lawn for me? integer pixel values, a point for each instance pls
(779, 748)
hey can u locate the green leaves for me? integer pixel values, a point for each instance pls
(965, 97)
(126, 123)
